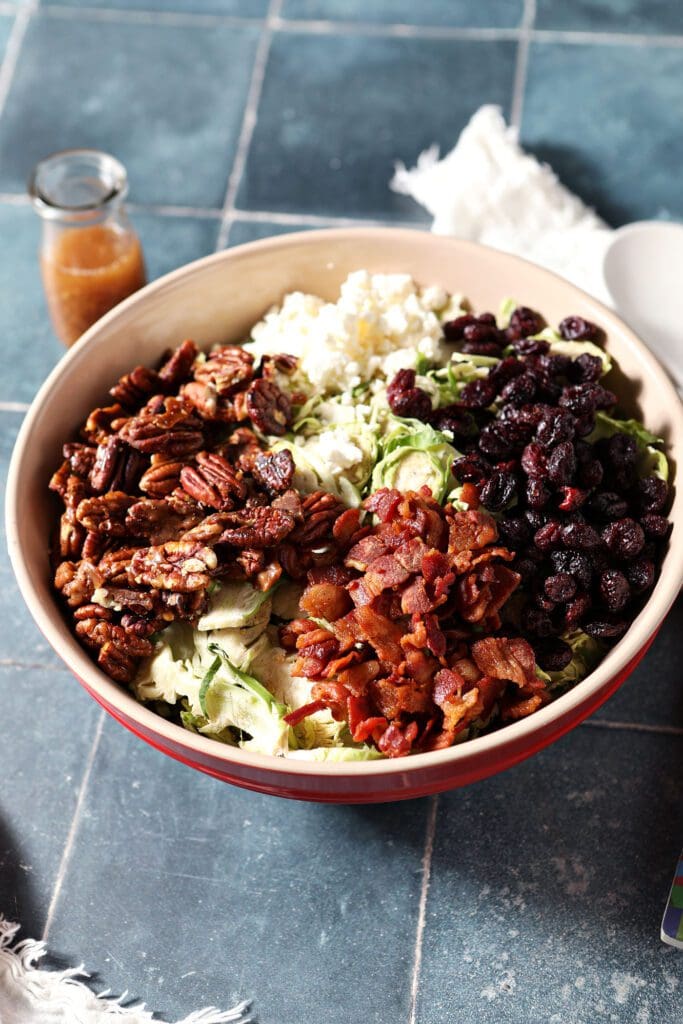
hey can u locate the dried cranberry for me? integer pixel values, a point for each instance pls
(651, 493)
(497, 441)
(590, 473)
(614, 590)
(454, 330)
(524, 322)
(624, 538)
(407, 400)
(654, 525)
(549, 536)
(537, 494)
(478, 394)
(576, 610)
(576, 564)
(480, 348)
(641, 574)
(584, 425)
(556, 365)
(471, 469)
(497, 493)
(561, 587)
(608, 505)
(605, 629)
(520, 390)
(575, 328)
(580, 536)
(586, 369)
(606, 399)
(459, 421)
(514, 530)
(505, 370)
(553, 655)
(483, 328)
(581, 399)
(561, 464)
(619, 453)
(556, 426)
(534, 518)
(534, 460)
(537, 622)
(530, 346)
(572, 498)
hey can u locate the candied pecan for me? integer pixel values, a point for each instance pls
(180, 565)
(71, 537)
(60, 479)
(226, 369)
(98, 426)
(106, 513)
(178, 366)
(274, 470)
(320, 511)
(162, 477)
(156, 519)
(212, 481)
(77, 582)
(113, 565)
(135, 387)
(204, 399)
(116, 663)
(81, 458)
(93, 611)
(257, 528)
(94, 546)
(252, 560)
(271, 366)
(175, 432)
(106, 465)
(269, 576)
(268, 408)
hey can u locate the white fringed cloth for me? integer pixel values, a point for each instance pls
(29, 995)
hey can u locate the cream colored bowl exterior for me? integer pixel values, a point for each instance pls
(217, 299)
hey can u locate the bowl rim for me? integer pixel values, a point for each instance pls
(112, 694)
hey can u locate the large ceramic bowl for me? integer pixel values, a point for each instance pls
(217, 299)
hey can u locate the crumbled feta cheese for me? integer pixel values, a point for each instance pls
(378, 325)
(336, 449)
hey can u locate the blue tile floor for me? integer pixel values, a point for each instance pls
(530, 898)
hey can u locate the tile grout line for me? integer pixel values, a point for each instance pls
(178, 19)
(389, 30)
(13, 48)
(522, 63)
(659, 730)
(73, 828)
(422, 912)
(31, 666)
(258, 74)
(319, 220)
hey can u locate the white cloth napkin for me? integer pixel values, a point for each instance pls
(29, 995)
(487, 189)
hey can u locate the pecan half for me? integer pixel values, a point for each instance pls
(274, 471)
(175, 432)
(180, 565)
(226, 369)
(268, 408)
(113, 565)
(207, 402)
(257, 528)
(77, 582)
(162, 477)
(156, 520)
(71, 537)
(213, 481)
(81, 458)
(106, 513)
(178, 367)
(320, 511)
(135, 387)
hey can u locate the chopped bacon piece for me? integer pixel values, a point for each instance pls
(294, 717)
(366, 550)
(470, 531)
(501, 658)
(522, 708)
(395, 742)
(415, 598)
(384, 503)
(384, 573)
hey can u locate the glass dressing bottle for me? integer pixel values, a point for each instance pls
(90, 256)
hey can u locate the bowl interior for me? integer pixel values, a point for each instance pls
(218, 299)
